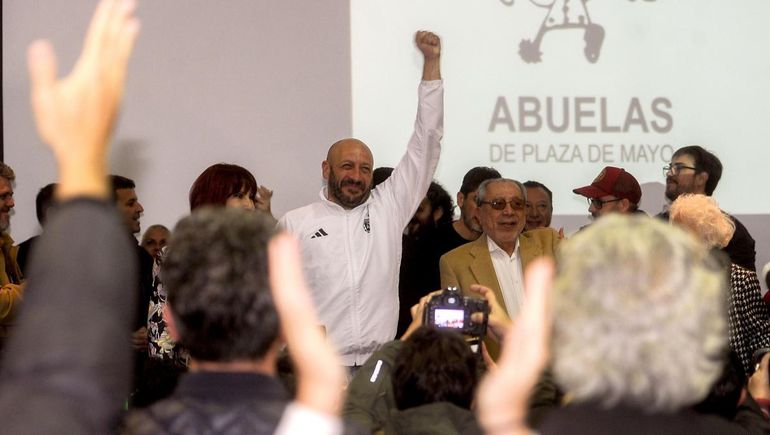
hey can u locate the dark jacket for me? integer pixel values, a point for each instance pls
(215, 403)
(441, 418)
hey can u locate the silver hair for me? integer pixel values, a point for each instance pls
(640, 313)
(482, 191)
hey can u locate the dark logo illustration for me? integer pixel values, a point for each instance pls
(563, 14)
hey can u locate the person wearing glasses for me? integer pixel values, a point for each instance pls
(613, 191)
(697, 171)
(499, 257)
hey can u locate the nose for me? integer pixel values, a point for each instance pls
(10, 202)
(531, 211)
(139, 208)
(592, 208)
(248, 204)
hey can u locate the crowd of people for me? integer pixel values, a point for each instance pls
(317, 322)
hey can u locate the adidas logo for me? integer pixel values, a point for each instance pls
(319, 233)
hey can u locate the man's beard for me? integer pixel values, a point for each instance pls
(5, 220)
(674, 192)
(335, 190)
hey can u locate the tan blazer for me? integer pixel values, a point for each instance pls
(472, 264)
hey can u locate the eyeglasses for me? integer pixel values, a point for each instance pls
(517, 204)
(675, 168)
(599, 203)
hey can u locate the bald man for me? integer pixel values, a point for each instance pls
(351, 238)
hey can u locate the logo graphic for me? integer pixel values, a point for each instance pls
(564, 14)
(367, 226)
(319, 233)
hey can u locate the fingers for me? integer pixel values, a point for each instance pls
(264, 193)
(41, 62)
(490, 363)
(423, 37)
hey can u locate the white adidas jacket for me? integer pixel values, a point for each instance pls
(352, 257)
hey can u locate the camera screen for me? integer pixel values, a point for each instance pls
(444, 318)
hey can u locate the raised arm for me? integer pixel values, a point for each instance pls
(67, 366)
(320, 376)
(503, 394)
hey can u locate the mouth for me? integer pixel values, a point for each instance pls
(508, 224)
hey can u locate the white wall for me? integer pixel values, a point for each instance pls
(264, 84)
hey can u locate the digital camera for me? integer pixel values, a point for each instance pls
(452, 310)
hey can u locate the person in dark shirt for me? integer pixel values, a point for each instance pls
(695, 170)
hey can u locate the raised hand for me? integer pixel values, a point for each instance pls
(502, 395)
(264, 196)
(320, 375)
(430, 45)
(75, 115)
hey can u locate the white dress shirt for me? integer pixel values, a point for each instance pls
(509, 276)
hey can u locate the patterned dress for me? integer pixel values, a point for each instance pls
(748, 316)
(161, 345)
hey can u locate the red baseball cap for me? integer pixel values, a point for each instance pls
(615, 182)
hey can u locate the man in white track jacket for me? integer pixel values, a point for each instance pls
(351, 238)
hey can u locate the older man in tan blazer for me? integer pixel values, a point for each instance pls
(498, 258)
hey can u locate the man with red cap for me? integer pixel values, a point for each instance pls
(613, 190)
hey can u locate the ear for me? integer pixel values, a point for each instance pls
(460, 199)
(700, 180)
(168, 316)
(325, 168)
(625, 204)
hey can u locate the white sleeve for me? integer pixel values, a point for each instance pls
(298, 419)
(411, 178)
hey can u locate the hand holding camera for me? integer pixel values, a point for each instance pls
(451, 310)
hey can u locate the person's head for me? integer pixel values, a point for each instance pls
(639, 315)
(434, 210)
(348, 173)
(692, 170)
(43, 202)
(501, 211)
(613, 191)
(539, 205)
(380, 174)
(224, 184)
(124, 195)
(466, 197)
(701, 215)
(7, 177)
(434, 365)
(155, 239)
(215, 272)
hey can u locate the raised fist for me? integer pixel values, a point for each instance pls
(429, 44)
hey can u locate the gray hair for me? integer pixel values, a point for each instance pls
(482, 191)
(640, 313)
(215, 272)
(7, 172)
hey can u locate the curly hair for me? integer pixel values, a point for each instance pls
(640, 315)
(701, 215)
(215, 272)
(218, 182)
